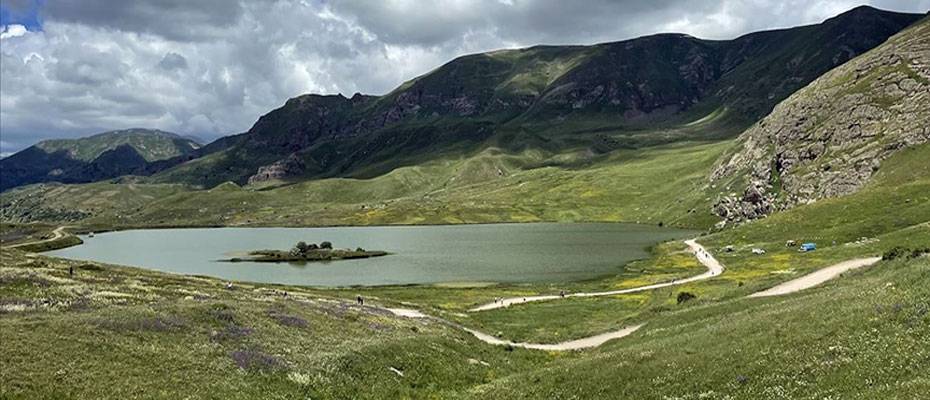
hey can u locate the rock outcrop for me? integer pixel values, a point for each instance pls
(290, 166)
(829, 138)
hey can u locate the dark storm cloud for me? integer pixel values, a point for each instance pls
(212, 67)
(544, 21)
(568, 22)
(172, 19)
(172, 61)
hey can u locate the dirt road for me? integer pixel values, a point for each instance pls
(817, 277)
(714, 268)
(58, 233)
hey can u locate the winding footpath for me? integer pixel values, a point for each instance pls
(817, 277)
(58, 233)
(714, 268)
(577, 344)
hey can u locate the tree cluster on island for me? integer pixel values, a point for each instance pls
(303, 251)
(303, 248)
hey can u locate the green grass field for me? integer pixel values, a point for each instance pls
(663, 184)
(117, 332)
(900, 186)
(862, 336)
(253, 341)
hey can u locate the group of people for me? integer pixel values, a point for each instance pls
(703, 253)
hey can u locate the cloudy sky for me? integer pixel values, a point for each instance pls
(211, 67)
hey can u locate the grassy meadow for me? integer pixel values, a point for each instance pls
(117, 332)
(489, 186)
(854, 226)
(865, 332)
(63, 334)
(861, 336)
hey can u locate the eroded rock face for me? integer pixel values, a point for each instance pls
(829, 138)
(290, 166)
(663, 73)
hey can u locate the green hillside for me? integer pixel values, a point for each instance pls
(662, 184)
(252, 340)
(93, 158)
(151, 144)
(628, 94)
(837, 225)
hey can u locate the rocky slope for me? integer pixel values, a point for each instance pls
(829, 138)
(101, 156)
(515, 96)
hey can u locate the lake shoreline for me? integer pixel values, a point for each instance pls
(85, 229)
(421, 254)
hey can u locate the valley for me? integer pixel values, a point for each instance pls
(619, 220)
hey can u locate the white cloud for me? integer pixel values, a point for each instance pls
(218, 65)
(11, 31)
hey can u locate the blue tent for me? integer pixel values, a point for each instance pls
(808, 247)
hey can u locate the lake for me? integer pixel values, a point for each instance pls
(541, 252)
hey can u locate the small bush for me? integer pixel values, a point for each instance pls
(919, 252)
(901, 251)
(288, 320)
(254, 360)
(222, 313)
(893, 253)
(685, 296)
(90, 267)
(230, 333)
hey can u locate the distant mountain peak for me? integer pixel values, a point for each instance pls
(99, 156)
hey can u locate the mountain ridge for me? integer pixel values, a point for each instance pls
(632, 93)
(656, 82)
(95, 157)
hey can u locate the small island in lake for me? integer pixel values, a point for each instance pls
(308, 252)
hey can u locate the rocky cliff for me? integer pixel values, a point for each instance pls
(829, 138)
